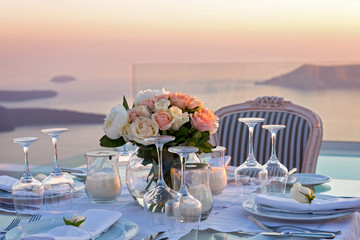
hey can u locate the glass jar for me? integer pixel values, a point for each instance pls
(103, 184)
(197, 182)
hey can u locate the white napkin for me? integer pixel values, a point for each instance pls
(6, 182)
(97, 221)
(317, 204)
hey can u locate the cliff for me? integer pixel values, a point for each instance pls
(11, 118)
(312, 77)
(63, 79)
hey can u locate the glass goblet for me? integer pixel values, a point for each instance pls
(28, 192)
(156, 197)
(58, 188)
(250, 177)
(277, 172)
(184, 210)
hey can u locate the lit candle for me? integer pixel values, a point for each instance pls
(103, 186)
(217, 179)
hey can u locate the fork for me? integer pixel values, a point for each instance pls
(35, 217)
(287, 227)
(13, 224)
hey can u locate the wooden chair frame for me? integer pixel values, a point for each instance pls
(273, 103)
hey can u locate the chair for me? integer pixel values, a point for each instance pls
(298, 145)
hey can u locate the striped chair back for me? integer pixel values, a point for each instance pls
(294, 143)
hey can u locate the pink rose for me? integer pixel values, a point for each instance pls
(193, 103)
(162, 96)
(162, 119)
(204, 120)
(132, 114)
(180, 100)
(150, 103)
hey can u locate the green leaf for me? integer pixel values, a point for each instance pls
(182, 132)
(76, 224)
(125, 103)
(105, 141)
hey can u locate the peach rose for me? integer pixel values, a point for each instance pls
(162, 96)
(193, 103)
(180, 100)
(162, 119)
(204, 120)
(150, 103)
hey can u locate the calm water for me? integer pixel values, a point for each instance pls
(215, 84)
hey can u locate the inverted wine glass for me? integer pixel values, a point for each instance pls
(28, 192)
(277, 172)
(184, 210)
(58, 188)
(250, 177)
(156, 197)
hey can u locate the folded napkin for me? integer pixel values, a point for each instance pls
(97, 221)
(317, 205)
(6, 182)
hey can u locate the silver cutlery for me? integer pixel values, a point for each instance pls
(154, 236)
(288, 227)
(14, 223)
(69, 170)
(35, 217)
(303, 235)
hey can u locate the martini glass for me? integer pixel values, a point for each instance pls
(58, 188)
(250, 177)
(28, 192)
(184, 210)
(156, 197)
(277, 172)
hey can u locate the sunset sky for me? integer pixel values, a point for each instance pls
(96, 39)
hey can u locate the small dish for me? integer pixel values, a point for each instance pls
(308, 179)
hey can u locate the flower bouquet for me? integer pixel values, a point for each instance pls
(159, 112)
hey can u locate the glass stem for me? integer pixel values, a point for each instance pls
(56, 169)
(159, 149)
(183, 190)
(26, 155)
(273, 145)
(251, 147)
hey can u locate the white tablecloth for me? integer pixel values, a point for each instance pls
(227, 216)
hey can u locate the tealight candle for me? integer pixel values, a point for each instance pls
(217, 179)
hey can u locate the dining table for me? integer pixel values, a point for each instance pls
(228, 218)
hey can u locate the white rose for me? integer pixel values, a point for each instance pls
(162, 104)
(115, 121)
(143, 127)
(142, 95)
(75, 219)
(180, 117)
(126, 133)
(143, 111)
(301, 194)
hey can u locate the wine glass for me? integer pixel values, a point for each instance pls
(250, 177)
(58, 188)
(277, 172)
(156, 197)
(184, 210)
(28, 192)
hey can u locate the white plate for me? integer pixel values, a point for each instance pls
(308, 179)
(122, 230)
(252, 208)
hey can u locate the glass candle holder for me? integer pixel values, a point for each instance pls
(103, 184)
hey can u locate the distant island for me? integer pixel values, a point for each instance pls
(63, 79)
(12, 118)
(313, 77)
(15, 96)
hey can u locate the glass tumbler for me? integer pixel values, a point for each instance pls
(103, 184)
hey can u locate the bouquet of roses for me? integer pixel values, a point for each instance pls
(158, 112)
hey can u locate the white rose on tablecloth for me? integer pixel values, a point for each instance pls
(301, 194)
(162, 104)
(180, 117)
(115, 121)
(141, 128)
(146, 94)
(143, 111)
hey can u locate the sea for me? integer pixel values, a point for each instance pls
(215, 84)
